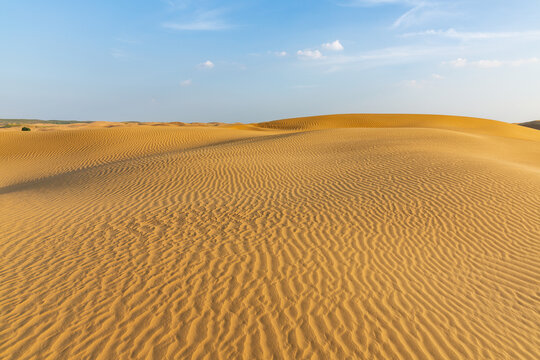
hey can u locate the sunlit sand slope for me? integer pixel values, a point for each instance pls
(457, 123)
(29, 156)
(222, 243)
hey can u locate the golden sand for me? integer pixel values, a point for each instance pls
(334, 237)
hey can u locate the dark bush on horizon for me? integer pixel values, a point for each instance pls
(25, 128)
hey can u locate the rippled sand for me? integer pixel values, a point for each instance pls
(350, 236)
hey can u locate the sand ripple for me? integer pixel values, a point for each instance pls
(222, 243)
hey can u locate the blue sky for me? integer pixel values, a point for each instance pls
(250, 61)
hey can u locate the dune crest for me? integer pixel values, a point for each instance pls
(458, 123)
(332, 237)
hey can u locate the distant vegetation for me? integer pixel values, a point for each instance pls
(25, 128)
(7, 123)
(532, 124)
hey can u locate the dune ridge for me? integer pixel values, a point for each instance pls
(458, 123)
(302, 238)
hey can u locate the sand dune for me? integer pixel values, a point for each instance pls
(347, 236)
(457, 123)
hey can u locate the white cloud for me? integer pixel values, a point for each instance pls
(487, 64)
(280, 53)
(460, 62)
(334, 46)
(206, 65)
(186, 83)
(412, 84)
(309, 54)
(437, 76)
(454, 34)
(490, 64)
(521, 62)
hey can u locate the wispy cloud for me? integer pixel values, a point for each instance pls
(118, 53)
(422, 83)
(462, 35)
(418, 11)
(126, 40)
(186, 83)
(354, 3)
(304, 86)
(198, 19)
(391, 55)
(528, 61)
(333, 46)
(206, 65)
(196, 26)
(490, 64)
(457, 63)
(176, 4)
(411, 16)
(415, 84)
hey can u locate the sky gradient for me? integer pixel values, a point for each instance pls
(258, 60)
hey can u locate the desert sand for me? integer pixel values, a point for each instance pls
(332, 237)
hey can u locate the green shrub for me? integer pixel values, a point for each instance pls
(25, 128)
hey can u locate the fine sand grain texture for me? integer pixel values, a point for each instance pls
(334, 237)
